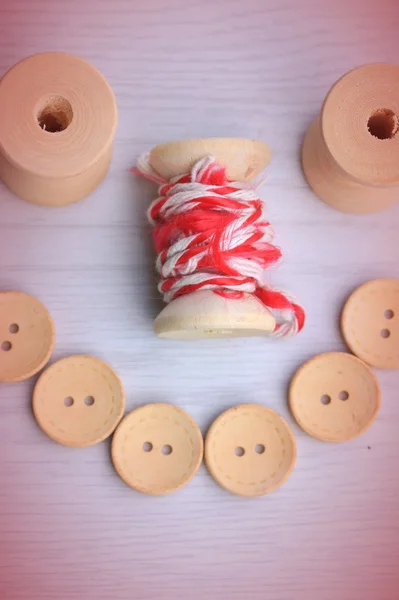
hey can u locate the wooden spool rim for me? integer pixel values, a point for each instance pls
(244, 159)
(347, 111)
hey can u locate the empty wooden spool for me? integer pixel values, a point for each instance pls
(58, 118)
(350, 154)
(204, 314)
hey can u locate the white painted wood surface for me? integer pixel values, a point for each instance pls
(69, 528)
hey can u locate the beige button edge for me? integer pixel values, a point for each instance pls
(46, 359)
(212, 470)
(143, 490)
(78, 445)
(344, 318)
(325, 438)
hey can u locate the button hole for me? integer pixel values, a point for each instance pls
(343, 395)
(14, 328)
(68, 401)
(147, 446)
(239, 451)
(6, 346)
(89, 400)
(325, 399)
(389, 314)
(166, 449)
(385, 333)
(259, 448)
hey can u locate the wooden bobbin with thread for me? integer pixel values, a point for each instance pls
(350, 154)
(58, 119)
(204, 314)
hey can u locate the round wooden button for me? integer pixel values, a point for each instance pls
(26, 336)
(157, 448)
(334, 397)
(78, 401)
(370, 323)
(250, 450)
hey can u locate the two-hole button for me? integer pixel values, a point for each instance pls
(157, 448)
(26, 336)
(78, 401)
(370, 323)
(334, 396)
(250, 450)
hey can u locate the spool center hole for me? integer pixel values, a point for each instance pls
(54, 114)
(383, 124)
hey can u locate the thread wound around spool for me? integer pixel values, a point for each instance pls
(58, 118)
(350, 154)
(202, 313)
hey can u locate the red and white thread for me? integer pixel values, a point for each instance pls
(212, 233)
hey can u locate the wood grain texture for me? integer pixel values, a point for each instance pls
(69, 528)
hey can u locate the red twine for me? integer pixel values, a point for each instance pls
(211, 233)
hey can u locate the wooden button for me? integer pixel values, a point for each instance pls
(370, 323)
(334, 397)
(78, 401)
(157, 449)
(26, 336)
(250, 450)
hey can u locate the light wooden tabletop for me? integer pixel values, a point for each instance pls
(69, 528)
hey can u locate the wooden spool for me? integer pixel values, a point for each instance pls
(58, 118)
(204, 314)
(350, 154)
